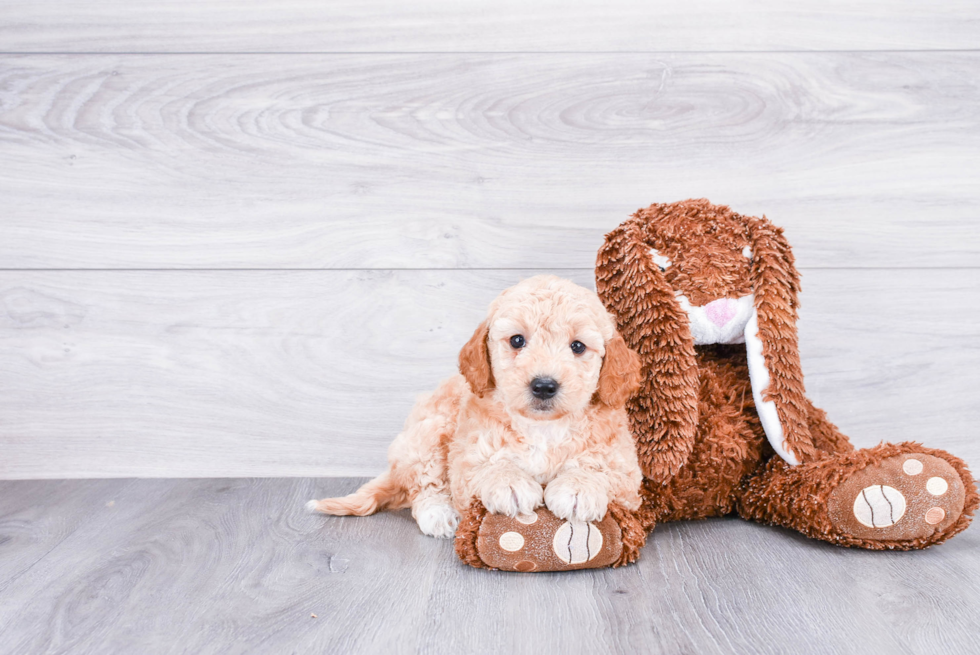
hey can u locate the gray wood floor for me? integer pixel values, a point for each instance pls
(236, 565)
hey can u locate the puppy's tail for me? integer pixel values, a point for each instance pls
(380, 493)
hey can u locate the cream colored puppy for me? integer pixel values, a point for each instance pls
(536, 416)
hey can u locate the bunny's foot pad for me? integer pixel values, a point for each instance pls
(907, 497)
(542, 542)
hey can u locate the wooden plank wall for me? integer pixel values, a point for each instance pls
(238, 243)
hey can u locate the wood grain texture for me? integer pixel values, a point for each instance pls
(29, 530)
(190, 373)
(501, 25)
(478, 161)
(236, 566)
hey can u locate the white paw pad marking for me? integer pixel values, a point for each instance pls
(527, 519)
(577, 542)
(912, 467)
(879, 506)
(937, 486)
(511, 541)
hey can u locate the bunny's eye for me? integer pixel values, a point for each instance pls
(517, 341)
(662, 262)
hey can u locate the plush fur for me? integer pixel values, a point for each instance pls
(483, 440)
(675, 275)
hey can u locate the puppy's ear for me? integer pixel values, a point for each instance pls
(474, 362)
(664, 413)
(620, 374)
(776, 283)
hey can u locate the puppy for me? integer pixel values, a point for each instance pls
(536, 416)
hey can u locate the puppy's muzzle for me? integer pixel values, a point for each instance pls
(544, 388)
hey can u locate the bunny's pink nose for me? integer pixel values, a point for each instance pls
(721, 311)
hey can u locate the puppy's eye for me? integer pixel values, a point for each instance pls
(517, 341)
(578, 347)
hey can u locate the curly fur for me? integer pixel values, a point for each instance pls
(467, 534)
(483, 437)
(699, 437)
(634, 534)
(663, 413)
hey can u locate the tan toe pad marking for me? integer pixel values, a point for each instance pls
(937, 486)
(511, 541)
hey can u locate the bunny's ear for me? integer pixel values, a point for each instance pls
(664, 412)
(474, 362)
(772, 346)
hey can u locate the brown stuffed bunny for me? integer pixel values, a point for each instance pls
(722, 424)
(708, 299)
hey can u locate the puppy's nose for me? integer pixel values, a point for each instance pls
(544, 388)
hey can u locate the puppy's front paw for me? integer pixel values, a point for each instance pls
(512, 495)
(576, 498)
(437, 520)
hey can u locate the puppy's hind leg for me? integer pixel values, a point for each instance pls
(417, 467)
(435, 514)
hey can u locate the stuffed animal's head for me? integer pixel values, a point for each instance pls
(692, 273)
(548, 349)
